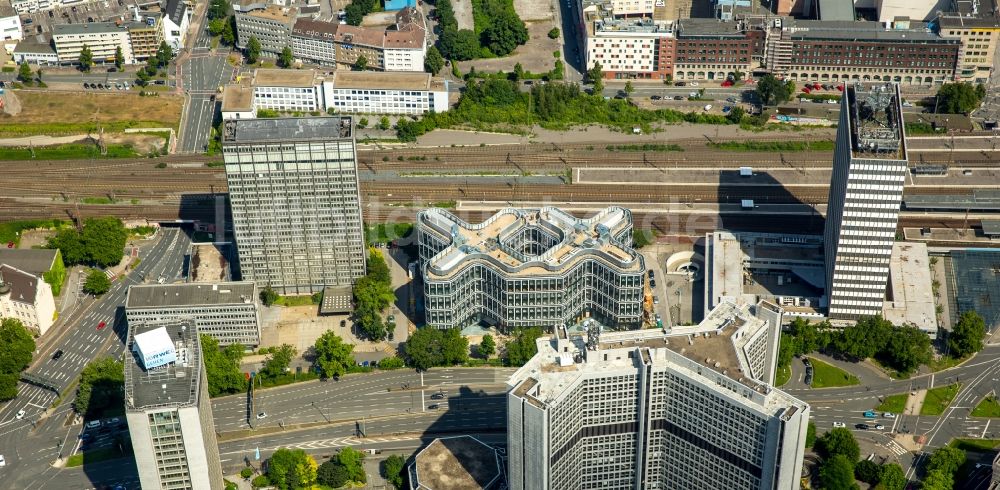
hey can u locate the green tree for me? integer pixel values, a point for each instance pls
(371, 297)
(363, 123)
(18, 346)
(164, 54)
(596, 77)
(459, 45)
(222, 367)
(773, 91)
(332, 474)
(361, 64)
(839, 442)
(86, 58)
(333, 356)
(505, 33)
(104, 240)
(958, 98)
(278, 360)
(865, 339)
(736, 114)
(392, 469)
(837, 473)
(253, 50)
(8, 386)
(390, 363)
(947, 459)
(291, 468)
(143, 77)
(383, 123)
(423, 348)
(285, 58)
(355, 14)
(522, 347)
(433, 62)
(891, 477)
(454, 347)
(102, 385)
(70, 244)
(24, 73)
(629, 88)
(487, 347)
(55, 276)
(967, 335)
(907, 349)
(937, 480)
(97, 283)
(352, 460)
(811, 434)
(268, 296)
(216, 26)
(554, 33)
(867, 471)
(229, 32)
(376, 267)
(119, 58)
(217, 9)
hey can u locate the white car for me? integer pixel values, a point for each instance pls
(839, 424)
(879, 427)
(20, 414)
(889, 415)
(693, 84)
(3, 462)
(93, 424)
(261, 415)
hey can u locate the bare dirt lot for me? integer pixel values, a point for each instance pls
(49, 112)
(535, 56)
(534, 10)
(463, 14)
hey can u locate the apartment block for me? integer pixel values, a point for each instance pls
(401, 47)
(690, 408)
(529, 268)
(869, 170)
(168, 410)
(314, 41)
(227, 311)
(355, 92)
(976, 25)
(10, 23)
(293, 189)
(146, 36)
(287, 90)
(26, 297)
(272, 26)
(627, 48)
(714, 50)
(103, 39)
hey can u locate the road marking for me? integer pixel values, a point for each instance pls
(983, 436)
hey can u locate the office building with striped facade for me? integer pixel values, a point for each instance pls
(530, 268)
(689, 408)
(869, 169)
(293, 189)
(227, 311)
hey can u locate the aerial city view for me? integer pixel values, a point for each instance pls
(500, 244)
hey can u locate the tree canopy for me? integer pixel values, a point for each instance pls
(358, 9)
(839, 442)
(253, 50)
(285, 59)
(372, 295)
(278, 360)
(596, 76)
(773, 91)
(959, 97)
(86, 59)
(101, 243)
(15, 354)
(837, 474)
(891, 477)
(433, 62)
(97, 283)
(222, 367)
(429, 347)
(24, 72)
(967, 335)
(352, 460)
(333, 356)
(332, 474)
(102, 385)
(217, 9)
(947, 459)
(522, 347)
(291, 469)
(393, 468)
(119, 58)
(487, 347)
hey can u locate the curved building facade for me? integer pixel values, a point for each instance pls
(530, 268)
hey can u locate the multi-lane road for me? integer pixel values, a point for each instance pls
(32, 443)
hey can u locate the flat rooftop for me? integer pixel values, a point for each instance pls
(978, 273)
(572, 240)
(876, 121)
(237, 97)
(190, 294)
(35, 261)
(910, 288)
(173, 385)
(388, 80)
(713, 28)
(918, 32)
(89, 28)
(456, 463)
(274, 77)
(287, 129)
(277, 13)
(336, 299)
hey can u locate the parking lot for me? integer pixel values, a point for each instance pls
(95, 11)
(103, 433)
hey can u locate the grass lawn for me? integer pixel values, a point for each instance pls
(939, 398)
(989, 407)
(10, 231)
(893, 403)
(828, 376)
(976, 445)
(59, 113)
(66, 152)
(821, 145)
(94, 456)
(296, 300)
(945, 362)
(782, 376)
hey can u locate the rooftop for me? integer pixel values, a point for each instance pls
(22, 286)
(175, 10)
(709, 28)
(971, 13)
(6, 9)
(315, 29)
(336, 299)
(978, 271)
(842, 10)
(287, 129)
(190, 294)
(173, 385)
(35, 44)
(910, 288)
(274, 77)
(32, 260)
(918, 32)
(563, 238)
(277, 13)
(991, 227)
(388, 80)
(456, 463)
(237, 97)
(363, 36)
(876, 121)
(92, 28)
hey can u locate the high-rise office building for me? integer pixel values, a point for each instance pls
(869, 168)
(530, 267)
(168, 410)
(293, 188)
(689, 408)
(225, 310)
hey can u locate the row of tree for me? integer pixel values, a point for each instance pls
(16, 348)
(840, 467)
(294, 468)
(372, 295)
(102, 387)
(498, 33)
(100, 243)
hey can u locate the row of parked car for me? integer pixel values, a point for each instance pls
(108, 86)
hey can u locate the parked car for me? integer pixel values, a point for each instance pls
(861, 426)
(680, 84)
(261, 415)
(678, 97)
(433, 407)
(839, 424)
(20, 414)
(694, 84)
(889, 415)
(652, 283)
(650, 273)
(57, 355)
(656, 300)
(93, 424)
(3, 462)
(879, 427)
(655, 97)
(870, 414)
(100, 326)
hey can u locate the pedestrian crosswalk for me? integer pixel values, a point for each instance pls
(344, 441)
(895, 448)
